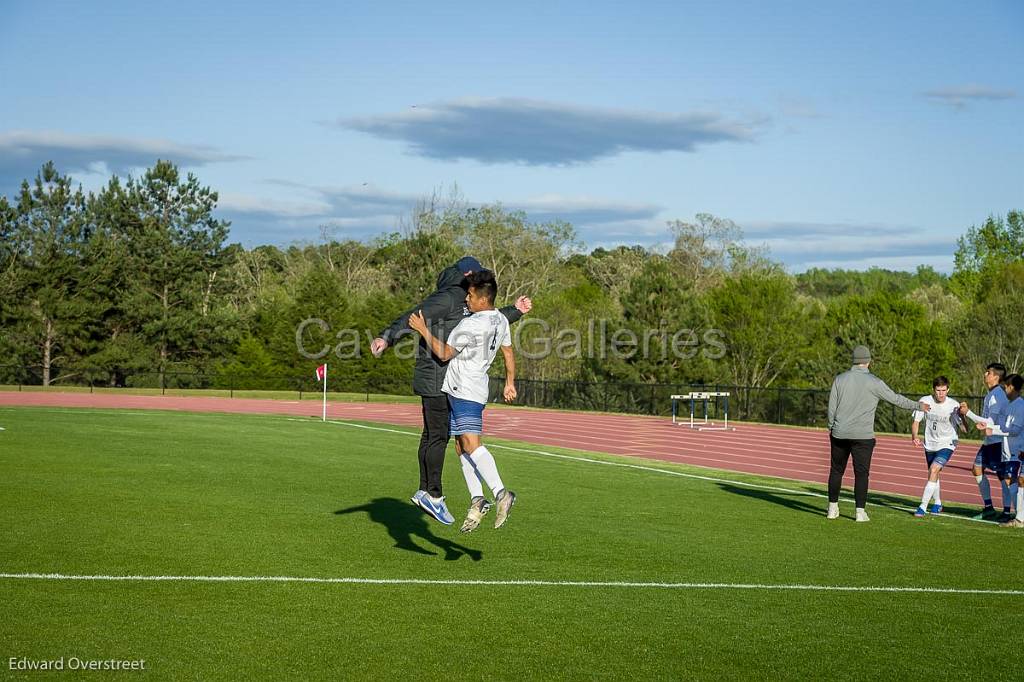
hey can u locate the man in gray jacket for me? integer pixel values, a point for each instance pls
(851, 426)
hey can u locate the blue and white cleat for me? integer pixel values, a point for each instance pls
(920, 513)
(936, 509)
(417, 496)
(436, 507)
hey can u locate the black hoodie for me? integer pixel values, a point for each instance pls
(442, 310)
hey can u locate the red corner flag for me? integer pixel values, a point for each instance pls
(321, 375)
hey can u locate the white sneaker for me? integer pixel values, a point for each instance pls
(833, 510)
(862, 516)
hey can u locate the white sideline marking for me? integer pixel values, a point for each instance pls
(505, 583)
(109, 411)
(623, 465)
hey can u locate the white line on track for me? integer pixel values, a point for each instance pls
(588, 460)
(507, 583)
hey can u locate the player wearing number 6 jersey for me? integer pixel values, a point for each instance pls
(940, 439)
(469, 351)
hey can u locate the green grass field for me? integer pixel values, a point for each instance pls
(121, 493)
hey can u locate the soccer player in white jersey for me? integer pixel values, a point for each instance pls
(940, 439)
(990, 453)
(469, 351)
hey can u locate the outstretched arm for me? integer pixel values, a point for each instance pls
(1010, 426)
(882, 390)
(442, 350)
(434, 307)
(513, 313)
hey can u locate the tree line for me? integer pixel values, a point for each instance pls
(139, 277)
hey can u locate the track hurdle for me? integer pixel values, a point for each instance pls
(704, 397)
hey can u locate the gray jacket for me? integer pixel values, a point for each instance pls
(851, 405)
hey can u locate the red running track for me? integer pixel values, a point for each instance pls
(784, 452)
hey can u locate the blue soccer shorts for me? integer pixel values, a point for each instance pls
(1009, 470)
(989, 457)
(940, 457)
(465, 417)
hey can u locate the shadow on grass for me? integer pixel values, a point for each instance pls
(403, 522)
(791, 500)
(818, 505)
(902, 503)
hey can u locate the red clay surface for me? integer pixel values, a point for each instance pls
(800, 454)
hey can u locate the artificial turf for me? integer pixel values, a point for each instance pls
(131, 493)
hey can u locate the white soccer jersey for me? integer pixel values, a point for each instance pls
(939, 423)
(476, 340)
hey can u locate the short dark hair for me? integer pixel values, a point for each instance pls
(484, 284)
(998, 368)
(940, 381)
(1015, 380)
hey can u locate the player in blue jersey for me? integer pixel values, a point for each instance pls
(1011, 430)
(990, 454)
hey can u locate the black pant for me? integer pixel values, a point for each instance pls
(433, 442)
(842, 448)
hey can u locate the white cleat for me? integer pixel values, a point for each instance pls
(862, 516)
(833, 511)
(477, 510)
(504, 502)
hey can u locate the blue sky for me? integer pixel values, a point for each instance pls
(839, 134)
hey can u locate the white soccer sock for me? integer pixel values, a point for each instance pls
(929, 490)
(938, 493)
(1006, 495)
(1020, 503)
(487, 468)
(472, 479)
(985, 489)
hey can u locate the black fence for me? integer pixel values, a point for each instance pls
(778, 405)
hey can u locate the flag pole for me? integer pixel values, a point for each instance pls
(325, 392)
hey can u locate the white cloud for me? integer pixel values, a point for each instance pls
(852, 246)
(243, 203)
(583, 210)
